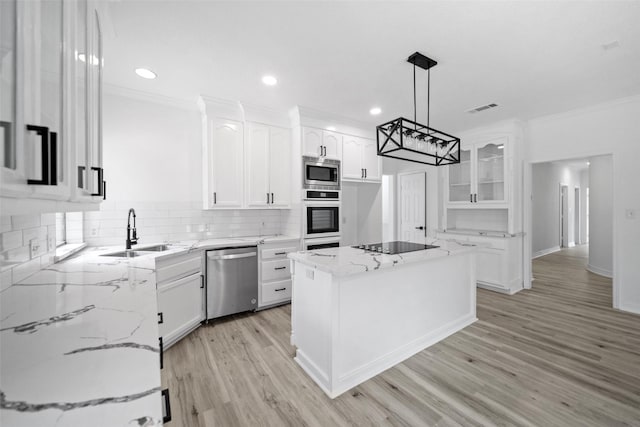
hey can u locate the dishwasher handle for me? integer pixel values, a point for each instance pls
(232, 256)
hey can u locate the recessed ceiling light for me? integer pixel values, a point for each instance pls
(588, 163)
(269, 80)
(145, 73)
(331, 128)
(375, 111)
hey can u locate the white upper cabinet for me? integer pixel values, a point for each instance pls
(280, 167)
(360, 161)
(480, 179)
(225, 155)
(257, 165)
(321, 143)
(268, 166)
(47, 98)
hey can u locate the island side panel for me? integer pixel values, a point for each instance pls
(312, 322)
(388, 315)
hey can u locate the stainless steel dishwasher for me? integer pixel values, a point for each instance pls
(232, 281)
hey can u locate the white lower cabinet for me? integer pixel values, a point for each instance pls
(498, 260)
(275, 272)
(180, 291)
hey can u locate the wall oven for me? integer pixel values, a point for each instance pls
(321, 243)
(320, 174)
(321, 219)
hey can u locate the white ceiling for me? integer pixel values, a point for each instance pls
(531, 58)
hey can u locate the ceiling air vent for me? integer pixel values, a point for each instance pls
(481, 108)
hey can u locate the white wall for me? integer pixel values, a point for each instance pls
(611, 128)
(584, 182)
(153, 163)
(601, 224)
(547, 179)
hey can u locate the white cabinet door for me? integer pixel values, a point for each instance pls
(182, 306)
(459, 183)
(280, 167)
(257, 165)
(352, 167)
(332, 144)
(225, 163)
(312, 142)
(371, 161)
(490, 171)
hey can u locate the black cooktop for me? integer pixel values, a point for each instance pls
(393, 248)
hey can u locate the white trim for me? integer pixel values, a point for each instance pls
(589, 109)
(631, 308)
(600, 271)
(544, 252)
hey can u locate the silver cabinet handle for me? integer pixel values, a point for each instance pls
(233, 256)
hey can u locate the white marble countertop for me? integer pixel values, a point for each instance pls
(345, 260)
(480, 233)
(79, 340)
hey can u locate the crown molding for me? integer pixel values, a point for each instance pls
(182, 103)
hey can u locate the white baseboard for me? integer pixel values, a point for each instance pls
(544, 252)
(572, 244)
(631, 308)
(496, 288)
(600, 271)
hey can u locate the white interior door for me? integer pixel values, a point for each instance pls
(413, 214)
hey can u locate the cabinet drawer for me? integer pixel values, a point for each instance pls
(274, 270)
(177, 267)
(277, 252)
(276, 292)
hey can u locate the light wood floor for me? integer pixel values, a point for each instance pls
(556, 355)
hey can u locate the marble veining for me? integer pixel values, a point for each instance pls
(345, 260)
(79, 340)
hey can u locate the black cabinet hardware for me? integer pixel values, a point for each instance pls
(49, 164)
(280, 253)
(202, 281)
(420, 228)
(271, 198)
(9, 150)
(475, 198)
(161, 353)
(161, 318)
(166, 417)
(214, 198)
(281, 289)
(81, 170)
(365, 173)
(279, 268)
(101, 183)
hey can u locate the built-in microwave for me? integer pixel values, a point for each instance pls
(320, 173)
(321, 219)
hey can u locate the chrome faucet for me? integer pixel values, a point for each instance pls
(131, 240)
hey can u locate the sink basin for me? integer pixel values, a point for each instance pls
(154, 248)
(139, 251)
(123, 254)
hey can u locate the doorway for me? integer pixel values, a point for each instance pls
(576, 217)
(564, 216)
(412, 209)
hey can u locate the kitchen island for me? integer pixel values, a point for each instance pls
(356, 313)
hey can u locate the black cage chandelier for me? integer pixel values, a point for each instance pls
(409, 140)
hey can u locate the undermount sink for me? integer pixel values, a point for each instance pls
(123, 254)
(139, 252)
(155, 248)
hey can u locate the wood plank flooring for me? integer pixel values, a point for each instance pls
(556, 355)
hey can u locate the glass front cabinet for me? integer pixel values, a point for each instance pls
(480, 177)
(50, 101)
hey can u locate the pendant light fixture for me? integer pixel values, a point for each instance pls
(409, 140)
